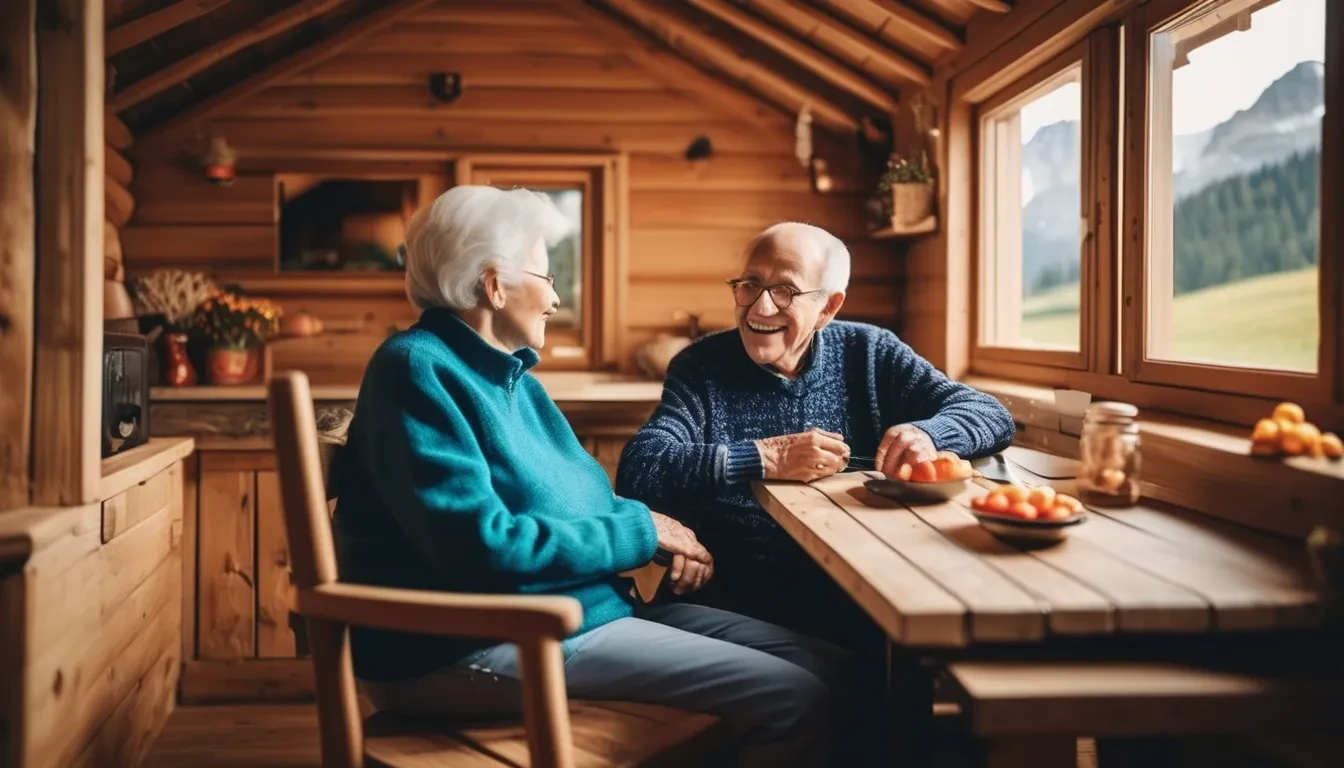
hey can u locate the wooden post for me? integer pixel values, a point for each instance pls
(67, 392)
(18, 102)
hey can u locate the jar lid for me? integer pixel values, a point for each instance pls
(1108, 411)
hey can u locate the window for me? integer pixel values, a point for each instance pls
(1236, 101)
(344, 224)
(581, 333)
(1031, 182)
(1149, 203)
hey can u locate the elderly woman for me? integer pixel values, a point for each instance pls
(463, 475)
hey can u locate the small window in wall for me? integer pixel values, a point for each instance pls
(1233, 221)
(1030, 211)
(331, 224)
(582, 334)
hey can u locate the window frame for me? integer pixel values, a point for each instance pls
(1115, 36)
(1138, 277)
(1039, 79)
(605, 182)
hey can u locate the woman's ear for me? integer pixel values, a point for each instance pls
(493, 288)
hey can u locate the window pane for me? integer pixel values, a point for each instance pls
(567, 260)
(1031, 209)
(1237, 100)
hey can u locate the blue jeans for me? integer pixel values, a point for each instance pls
(774, 689)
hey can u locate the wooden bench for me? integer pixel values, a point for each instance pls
(1031, 712)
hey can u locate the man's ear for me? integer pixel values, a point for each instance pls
(492, 288)
(828, 312)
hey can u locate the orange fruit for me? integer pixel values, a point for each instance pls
(1023, 510)
(1059, 512)
(1290, 442)
(1065, 500)
(948, 455)
(924, 472)
(1311, 438)
(978, 503)
(1331, 446)
(1014, 493)
(945, 468)
(1290, 412)
(1266, 430)
(997, 503)
(1042, 498)
(905, 472)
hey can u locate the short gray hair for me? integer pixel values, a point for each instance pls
(835, 277)
(450, 243)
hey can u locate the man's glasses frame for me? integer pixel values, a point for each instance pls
(747, 292)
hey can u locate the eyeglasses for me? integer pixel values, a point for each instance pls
(746, 292)
(548, 278)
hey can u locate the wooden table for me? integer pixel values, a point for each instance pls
(940, 585)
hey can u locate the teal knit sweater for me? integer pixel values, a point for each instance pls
(462, 475)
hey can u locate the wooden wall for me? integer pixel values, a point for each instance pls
(535, 79)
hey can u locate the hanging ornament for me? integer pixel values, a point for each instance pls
(220, 162)
(802, 137)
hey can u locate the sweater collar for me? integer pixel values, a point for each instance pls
(489, 361)
(812, 367)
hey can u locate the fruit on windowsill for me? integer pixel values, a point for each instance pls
(1040, 503)
(1288, 433)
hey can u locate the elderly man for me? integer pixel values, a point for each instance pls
(788, 396)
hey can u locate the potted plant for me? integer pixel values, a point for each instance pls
(909, 188)
(235, 327)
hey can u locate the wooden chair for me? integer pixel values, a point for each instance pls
(557, 732)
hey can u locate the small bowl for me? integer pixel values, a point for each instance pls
(1017, 529)
(917, 493)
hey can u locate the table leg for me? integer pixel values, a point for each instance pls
(909, 707)
(1029, 752)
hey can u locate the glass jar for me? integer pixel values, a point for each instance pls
(1108, 473)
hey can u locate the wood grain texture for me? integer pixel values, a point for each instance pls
(132, 506)
(143, 28)
(18, 126)
(226, 577)
(67, 391)
(275, 636)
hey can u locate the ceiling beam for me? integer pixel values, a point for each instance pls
(681, 36)
(997, 6)
(906, 19)
(181, 70)
(137, 31)
(676, 74)
(352, 33)
(835, 36)
(802, 54)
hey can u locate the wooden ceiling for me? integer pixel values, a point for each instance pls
(175, 62)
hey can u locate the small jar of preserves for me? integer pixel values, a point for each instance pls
(1108, 474)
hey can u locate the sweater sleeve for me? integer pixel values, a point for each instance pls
(434, 478)
(669, 459)
(958, 417)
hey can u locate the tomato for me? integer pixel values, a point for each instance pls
(978, 503)
(1014, 493)
(1059, 512)
(945, 468)
(997, 503)
(1023, 510)
(1042, 498)
(924, 472)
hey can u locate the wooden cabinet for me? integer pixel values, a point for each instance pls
(240, 639)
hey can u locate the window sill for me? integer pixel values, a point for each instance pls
(1196, 463)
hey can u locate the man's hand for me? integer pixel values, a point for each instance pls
(689, 575)
(805, 456)
(678, 539)
(903, 444)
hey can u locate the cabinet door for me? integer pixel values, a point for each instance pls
(226, 608)
(276, 626)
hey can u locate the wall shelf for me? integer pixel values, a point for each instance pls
(908, 230)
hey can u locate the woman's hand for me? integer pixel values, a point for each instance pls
(678, 539)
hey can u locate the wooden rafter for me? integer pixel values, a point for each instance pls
(804, 55)
(296, 62)
(137, 31)
(911, 22)
(672, 71)
(996, 6)
(177, 72)
(835, 36)
(699, 46)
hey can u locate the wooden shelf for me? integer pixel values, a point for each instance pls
(123, 470)
(922, 228)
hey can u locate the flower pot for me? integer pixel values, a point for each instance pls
(232, 366)
(911, 203)
(177, 368)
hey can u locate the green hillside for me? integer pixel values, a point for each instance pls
(1266, 321)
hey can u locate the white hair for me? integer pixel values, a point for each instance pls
(835, 277)
(451, 243)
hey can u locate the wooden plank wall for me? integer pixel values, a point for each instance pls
(535, 79)
(102, 632)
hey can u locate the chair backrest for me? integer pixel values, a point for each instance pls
(313, 562)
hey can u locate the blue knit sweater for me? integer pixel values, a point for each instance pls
(461, 474)
(695, 458)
